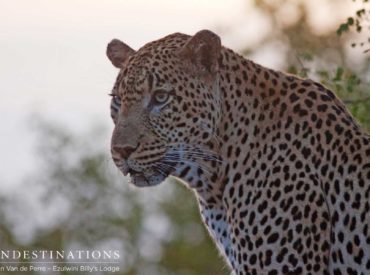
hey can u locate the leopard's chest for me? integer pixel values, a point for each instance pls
(215, 219)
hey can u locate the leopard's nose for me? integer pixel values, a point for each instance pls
(124, 150)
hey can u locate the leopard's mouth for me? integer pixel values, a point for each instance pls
(147, 178)
(144, 175)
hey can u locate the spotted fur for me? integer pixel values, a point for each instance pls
(280, 168)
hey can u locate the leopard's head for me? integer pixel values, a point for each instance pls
(166, 106)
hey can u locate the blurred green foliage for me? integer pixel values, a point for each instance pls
(88, 204)
(327, 57)
(157, 230)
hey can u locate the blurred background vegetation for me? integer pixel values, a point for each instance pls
(83, 201)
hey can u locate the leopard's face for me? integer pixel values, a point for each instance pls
(164, 114)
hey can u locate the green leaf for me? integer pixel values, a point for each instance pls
(292, 70)
(361, 12)
(342, 28)
(352, 82)
(323, 74)
(306, 56)
(338, 74)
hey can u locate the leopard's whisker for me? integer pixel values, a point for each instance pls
(185, 161)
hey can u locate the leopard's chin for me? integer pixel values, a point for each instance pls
(140, 179)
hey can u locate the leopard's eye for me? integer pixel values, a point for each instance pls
(115, 97)
(161, 97)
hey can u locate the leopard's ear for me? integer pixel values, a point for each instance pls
(203, 51)
(118, 52)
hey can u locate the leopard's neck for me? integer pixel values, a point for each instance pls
(239, 105)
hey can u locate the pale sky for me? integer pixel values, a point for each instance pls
(52, 57)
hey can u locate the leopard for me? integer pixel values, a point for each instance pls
(279, 167)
